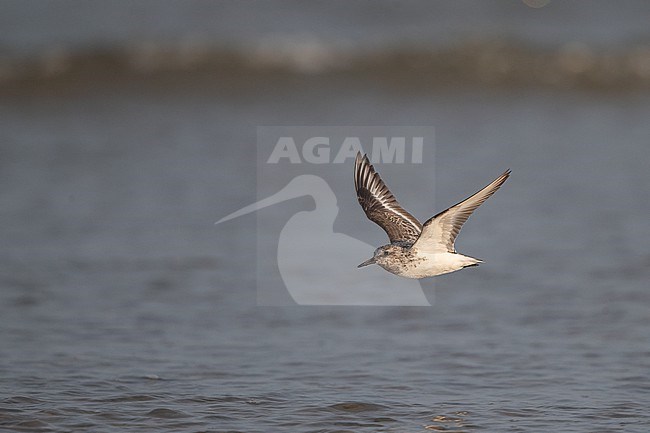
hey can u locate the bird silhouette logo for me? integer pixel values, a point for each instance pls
(319, 266)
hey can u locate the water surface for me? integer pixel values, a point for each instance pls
(122, 307)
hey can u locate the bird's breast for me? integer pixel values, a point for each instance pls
(422, 265)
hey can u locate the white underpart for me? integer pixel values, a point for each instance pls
(437, 264)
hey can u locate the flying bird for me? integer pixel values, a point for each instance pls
(415, 250)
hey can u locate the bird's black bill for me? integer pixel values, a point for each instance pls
(367, 262)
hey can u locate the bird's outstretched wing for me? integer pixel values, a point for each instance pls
(439, 232)
(380, 205)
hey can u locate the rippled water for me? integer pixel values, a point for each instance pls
(122, 306)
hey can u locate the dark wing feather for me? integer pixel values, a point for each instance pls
(380, 205)
(439, 232)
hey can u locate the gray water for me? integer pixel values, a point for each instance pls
(123, 308)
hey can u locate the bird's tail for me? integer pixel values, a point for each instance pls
(472, 261)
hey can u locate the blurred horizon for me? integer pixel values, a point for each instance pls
(597, 45)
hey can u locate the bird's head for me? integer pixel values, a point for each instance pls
(381, 256)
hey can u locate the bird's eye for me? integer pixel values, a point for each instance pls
(385, 252)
